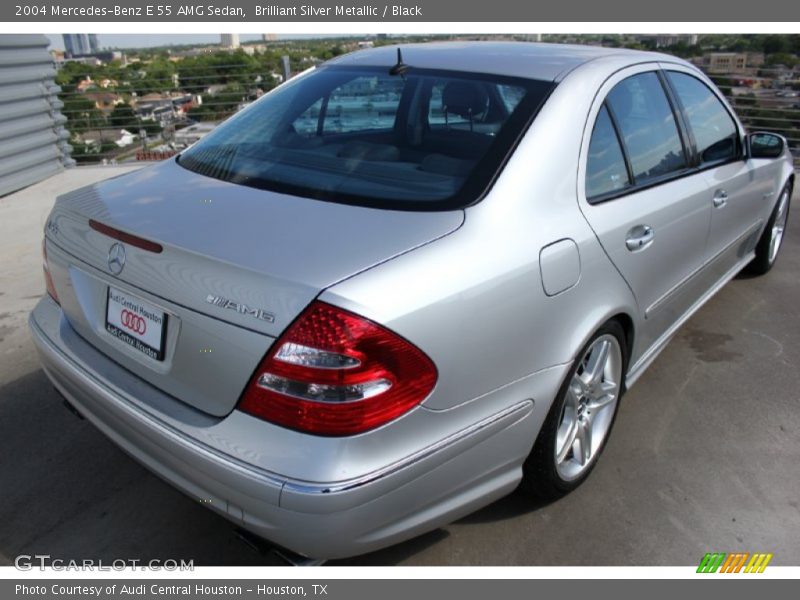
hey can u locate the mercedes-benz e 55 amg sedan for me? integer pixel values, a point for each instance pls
(403, 283)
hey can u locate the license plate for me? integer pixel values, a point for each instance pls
(136, 322)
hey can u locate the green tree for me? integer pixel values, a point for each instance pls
(81, 113)
(783, 58)
(123, 117)
(774, 44)
(222, 68)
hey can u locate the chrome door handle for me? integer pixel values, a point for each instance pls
(639, 238)
(720, 198)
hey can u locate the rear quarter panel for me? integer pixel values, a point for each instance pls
(474, 300)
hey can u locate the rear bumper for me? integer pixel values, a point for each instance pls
(430, 486)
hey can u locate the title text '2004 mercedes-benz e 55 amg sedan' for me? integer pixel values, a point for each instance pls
(404, 282)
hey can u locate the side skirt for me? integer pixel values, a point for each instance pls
(650, 355)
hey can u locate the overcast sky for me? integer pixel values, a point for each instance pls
(143, 40)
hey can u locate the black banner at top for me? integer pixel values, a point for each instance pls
(409, 11)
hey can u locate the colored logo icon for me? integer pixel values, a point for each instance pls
(737, 562)
(133, 322)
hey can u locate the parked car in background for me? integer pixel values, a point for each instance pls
(404, 283)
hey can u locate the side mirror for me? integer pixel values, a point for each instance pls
(765, 145)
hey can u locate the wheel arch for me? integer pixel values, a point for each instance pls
(628, 327)
(624, 318)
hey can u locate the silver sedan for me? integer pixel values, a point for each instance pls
(405, 282)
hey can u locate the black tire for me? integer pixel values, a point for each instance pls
(540, 477)
(763, 262)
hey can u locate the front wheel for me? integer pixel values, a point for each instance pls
(580, 420)
(770, 243)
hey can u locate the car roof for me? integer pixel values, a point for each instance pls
(542, 61)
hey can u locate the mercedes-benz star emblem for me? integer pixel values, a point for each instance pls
(116, 258)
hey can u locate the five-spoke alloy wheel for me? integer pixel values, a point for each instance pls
(779, 225)
(769, 244)
(589, 407)
(580, 418)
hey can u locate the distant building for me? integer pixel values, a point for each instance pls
(77, 44)
(269, 37)
(104, 101)
(671, 39)
(85, 84)
(189, 135)
(89, 83)
(84, 60)
(229, 40)
(163, 107)
(734, 62)
(215, 88)
(80, 46)
(126, 138)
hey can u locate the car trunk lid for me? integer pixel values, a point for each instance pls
(246, 258)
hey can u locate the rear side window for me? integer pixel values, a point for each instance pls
(714, 130)
(647, 125)
(605, 168)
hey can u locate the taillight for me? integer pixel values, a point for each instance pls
(48, 280)
(336, 373)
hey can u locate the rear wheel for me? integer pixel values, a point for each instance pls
(770, 243)
(580, 420)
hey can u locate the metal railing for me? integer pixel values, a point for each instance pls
(764, 102)
(96, 127)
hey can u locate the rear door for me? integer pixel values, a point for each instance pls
(646, 204)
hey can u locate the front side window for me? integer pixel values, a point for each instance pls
(606, 172)
(427, 140)
(714, 130)
(647, 125)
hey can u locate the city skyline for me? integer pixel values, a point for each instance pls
(78, 44)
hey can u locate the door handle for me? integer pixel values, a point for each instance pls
(720, 198)
(639, 238)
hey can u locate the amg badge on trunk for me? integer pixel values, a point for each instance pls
(241, 308)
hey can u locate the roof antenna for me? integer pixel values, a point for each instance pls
(400, 68)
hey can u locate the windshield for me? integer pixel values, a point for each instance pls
(428, 140)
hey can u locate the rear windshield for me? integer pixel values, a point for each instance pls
(425, 140)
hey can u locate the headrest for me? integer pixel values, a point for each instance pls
(464, 98)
